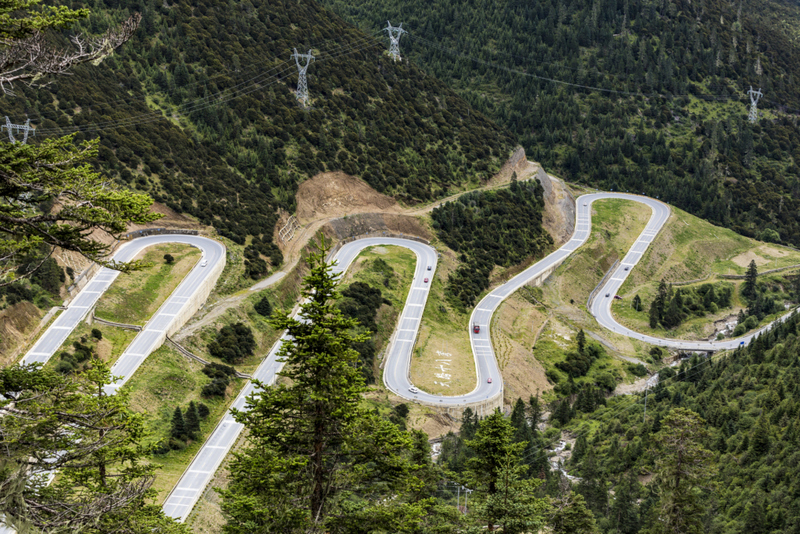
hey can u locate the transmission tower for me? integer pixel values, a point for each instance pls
(25, 128)
(394, 39)
(754, 97)
(302, 84)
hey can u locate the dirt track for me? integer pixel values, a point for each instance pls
(355, 206)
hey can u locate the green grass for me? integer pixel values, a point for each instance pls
(689, 248)
(113, 344)
(366, 268)
(166, 380)
(133, 298)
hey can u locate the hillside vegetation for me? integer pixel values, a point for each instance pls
(199, 111)
(749, 401)
(643, 96)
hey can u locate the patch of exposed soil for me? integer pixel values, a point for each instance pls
(336, 194)
(377, 223)
(514, 330)
(16, 322)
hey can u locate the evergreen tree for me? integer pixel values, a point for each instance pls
(535, 411)
(581, 339)
(624, 514)
(571, 516)
(636, 304)
(684, 472)
(496, 473)
(323, 461)
(192, 421)
(67, 424)
(178, 425)
(263, 307)
(592, 485)
(750, 281)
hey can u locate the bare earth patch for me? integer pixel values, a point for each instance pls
(514, 330)
(336, 194)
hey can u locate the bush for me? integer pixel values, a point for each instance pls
(637, 370)
(169, 259)
(203, 411)
(97, 334)
(233, 343)
(606, 381)
(263, 307)
(216, 388)
(739, 330)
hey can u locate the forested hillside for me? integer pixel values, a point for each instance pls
(750, 401)
(642, 96)
(199, 111)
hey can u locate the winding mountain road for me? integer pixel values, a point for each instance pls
(153, 333)
(396, 372)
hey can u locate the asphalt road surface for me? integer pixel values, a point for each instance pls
(396, 371)
(148, 339)
(191, 485)
(601, 305)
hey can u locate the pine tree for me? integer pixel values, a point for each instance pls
(178, 425)
(496, 473)
(322, 460)
(592, 485)
(571, 516)
(581, 339)
(684, 474)
(67, 424)
(750, 281)
(192, 421)
(263, 307)
(624, 514)
(637, 302)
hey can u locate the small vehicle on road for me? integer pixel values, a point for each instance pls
(608, 294)
(429, 267)
(476, 328)
(426, 280)
(203, 263)
(413, 389)
(627, 268)
(489, 380)
(585, 203)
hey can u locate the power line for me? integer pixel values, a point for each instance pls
(256, 83)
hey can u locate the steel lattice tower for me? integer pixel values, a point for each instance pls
(754, 97)
(302, 84)
(25, 128)
(394, 39)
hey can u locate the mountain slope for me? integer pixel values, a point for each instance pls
(199, 110)
(644, 96)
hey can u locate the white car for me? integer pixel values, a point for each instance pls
(203, 263)
(413, 389)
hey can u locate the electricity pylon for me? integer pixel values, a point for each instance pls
(25, 128)
(754, 97)
(302, 84)
(394, 39)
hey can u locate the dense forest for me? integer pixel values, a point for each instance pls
(199, 111)
(489, 228)
(642, 96)
(749, 400)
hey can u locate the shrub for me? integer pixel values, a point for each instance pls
(97, 334)
(233, 343)
(169, 259)
(263, 307)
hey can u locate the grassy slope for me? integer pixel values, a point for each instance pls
(688, 249)
(134, 298)
(206, 517)
(166, 380)
(403, 262)
(443, 329)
